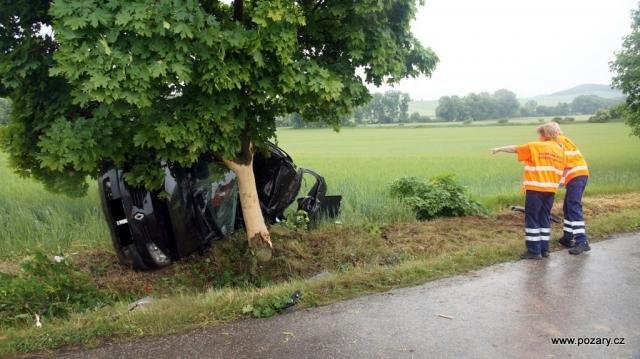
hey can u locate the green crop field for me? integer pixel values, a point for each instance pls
(357, 163)
(360, 163)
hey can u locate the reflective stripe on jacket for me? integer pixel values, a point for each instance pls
(544, 165)
(576, 164)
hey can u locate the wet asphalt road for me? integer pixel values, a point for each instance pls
(508, 310)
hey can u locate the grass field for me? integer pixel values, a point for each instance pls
(357, 163)
(379, 245)
(360, 163)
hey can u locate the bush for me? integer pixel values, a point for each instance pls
(468, 121)
(440, 196)
(417, 117)
(608, 114)
(46, 288)
(503, 120)
(601, 116)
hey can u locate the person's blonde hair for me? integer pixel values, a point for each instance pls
(557, 126)
(548, 130)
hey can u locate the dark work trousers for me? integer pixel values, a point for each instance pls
(572, 208)
(537, 221)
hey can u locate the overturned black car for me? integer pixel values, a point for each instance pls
(200, 204)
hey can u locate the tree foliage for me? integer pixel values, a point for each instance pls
(627, 69)
(145, 82)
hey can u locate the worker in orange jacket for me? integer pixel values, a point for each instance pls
(544, 162)
(574, 179)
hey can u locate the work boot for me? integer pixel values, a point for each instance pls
(567, 243)
(545, 254)
(530, 255)
(579, 248)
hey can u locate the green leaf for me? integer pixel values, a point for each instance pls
(105, 46)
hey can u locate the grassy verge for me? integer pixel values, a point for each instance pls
(354, 261)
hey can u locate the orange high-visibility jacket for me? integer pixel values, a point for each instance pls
(576, 164)
(544, 164)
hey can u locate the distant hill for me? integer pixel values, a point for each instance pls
(590, 89)
(569, 94)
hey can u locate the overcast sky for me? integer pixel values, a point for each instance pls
(531, 47)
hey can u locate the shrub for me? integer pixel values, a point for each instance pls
(440, 196)
(417, 117)
(608, 114)
(600, 117)
(503, 120)
(46, 288)
(468, 121)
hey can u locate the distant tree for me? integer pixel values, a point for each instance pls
(403, 107)
(627, 69)
(562, 109)
(587, 104)
(388, 107)
(377, 108)
(545, 110)
(450, 108)
(480, 106)
(529, 108)
(359, 114)
(415, 117)
(296, 120)
(391, 104)
(506, 103)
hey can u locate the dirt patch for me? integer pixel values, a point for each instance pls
(596, 206)
(9, 267)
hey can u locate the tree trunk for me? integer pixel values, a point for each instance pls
(255, 227)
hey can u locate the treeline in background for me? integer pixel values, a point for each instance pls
(504, 104)
(392, 107)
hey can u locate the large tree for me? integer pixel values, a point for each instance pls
(147, 82)
(506, 102)
(627, 69)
